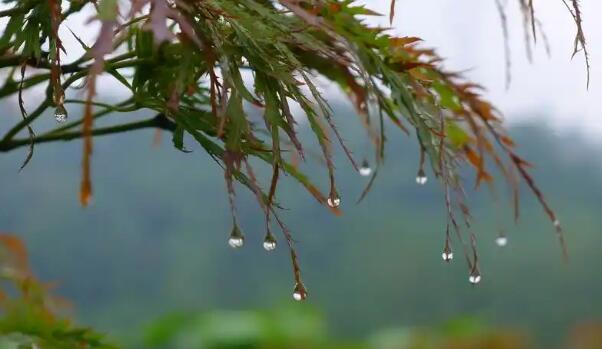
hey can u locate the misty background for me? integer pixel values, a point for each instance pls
(154, 240)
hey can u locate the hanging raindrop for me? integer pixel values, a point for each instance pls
(236, 240)
(557, 223)
(501, 241)
(300, 293)
(475, 276)
(269, 243)
(365, 169)
(333, 200)
(447, 254)
(421, 177)
(60, 113)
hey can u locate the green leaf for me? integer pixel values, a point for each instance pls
(14, 25)
(107, 10)
(119, 77)
(178, 139)
(456, 135)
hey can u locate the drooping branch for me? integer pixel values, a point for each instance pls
(185, 62)
(159, 122)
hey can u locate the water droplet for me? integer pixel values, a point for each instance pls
(557, 223)
(334, 201)
(447, 254)
(365, 169)
(269, 244)
(421, 178)
(475, 277)
(60, 113)
(501, 241)
(236, 240)
(300, 293)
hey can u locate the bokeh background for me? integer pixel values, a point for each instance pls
(149, 263)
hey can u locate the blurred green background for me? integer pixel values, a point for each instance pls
(149, 263)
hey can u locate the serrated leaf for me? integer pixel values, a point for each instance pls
(178, 139)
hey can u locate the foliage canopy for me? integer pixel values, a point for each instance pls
(189, 60)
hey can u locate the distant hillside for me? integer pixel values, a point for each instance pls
(155, 239)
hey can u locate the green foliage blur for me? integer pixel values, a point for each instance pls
(304, 327)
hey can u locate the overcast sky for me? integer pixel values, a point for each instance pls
(468, 34)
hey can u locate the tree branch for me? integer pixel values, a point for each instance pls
(159, 121)
(48, 99)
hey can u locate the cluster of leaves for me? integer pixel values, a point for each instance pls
(188, 59)
(28, 316)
